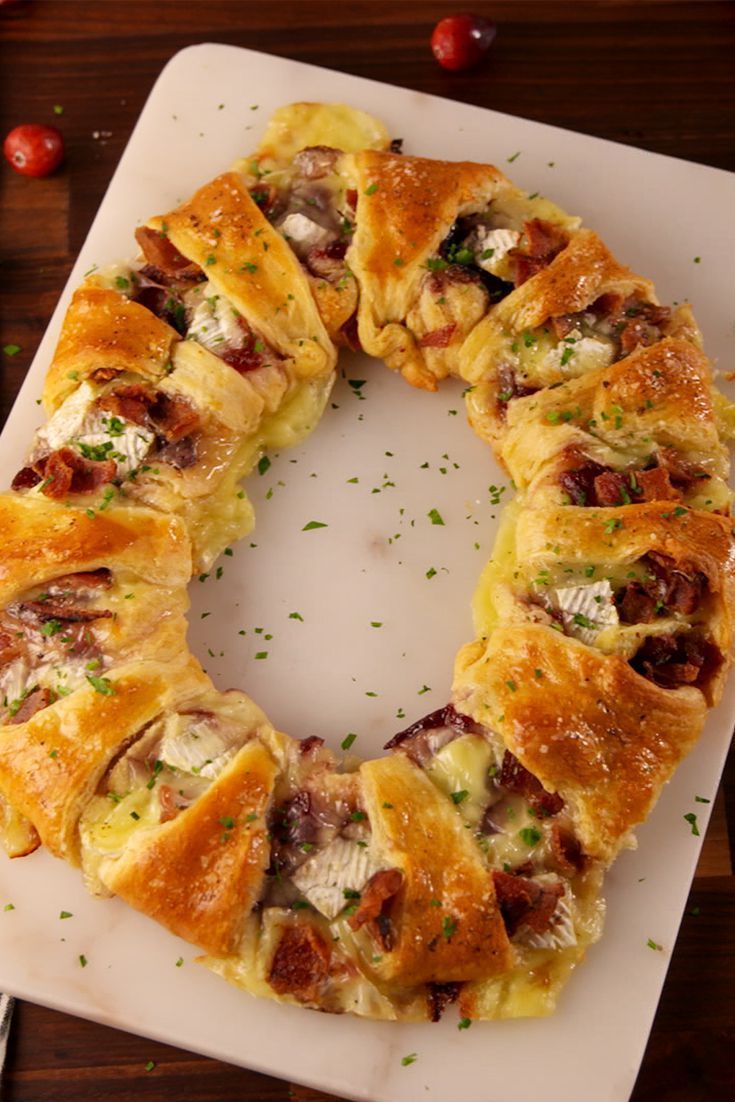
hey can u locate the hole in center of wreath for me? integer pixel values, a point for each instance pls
(344, 608)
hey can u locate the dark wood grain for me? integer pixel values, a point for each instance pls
(656, 75)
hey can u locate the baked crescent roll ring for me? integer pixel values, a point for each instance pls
(436, 244)
(584, 723)
(581, 313)
(643, 429)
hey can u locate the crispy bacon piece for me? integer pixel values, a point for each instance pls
(132, 403)
(438, 338)
(655, 485)
(104, 374)
(579, 482)
(82, 580)
(564, 324)
(612, 488)
(173, 416)
(638, 323)
(439, 996)
(683, 592)
(674, 660)
(161, 299)
(541, 242)
(420, 741)
(58, 608)
(65, 472)
(169, 414)
(300, 964)
(379, 890)
(668, 589)
(567, 851)
(509, 387)
(636, 605)
(525, 902)
(516, 778)
(163, 255)
(36, 701)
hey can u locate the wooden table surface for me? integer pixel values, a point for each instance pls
(652, 74)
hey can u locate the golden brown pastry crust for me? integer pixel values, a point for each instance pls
(224, 231)
(43, 540)
(590, 727)
(405, 208)
(447, 923)
(50, 766)
(198, 875)
(105, 331)
(658, 396)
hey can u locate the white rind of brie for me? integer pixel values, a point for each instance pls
(341, 866)
(560, 934)
(304, 233)
(587, 609)
(213, 320)
(195, 746)
(500, 241)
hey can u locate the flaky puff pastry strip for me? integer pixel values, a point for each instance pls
(234, 416)
(658, 397)
(585, 723)
(146, 559)
(516, 338)
(50, 766)
(406, 207)
(200, 871)
(105, 333)
(223, 231)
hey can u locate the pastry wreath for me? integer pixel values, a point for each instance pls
(466, 866)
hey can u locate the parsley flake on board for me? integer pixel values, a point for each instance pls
(263, 464)
(314, 524)
(410, 1059)
(435, 516)
(691, 818)
(348, 740)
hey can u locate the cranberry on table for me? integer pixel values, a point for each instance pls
(461, 41)
(33, 149)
